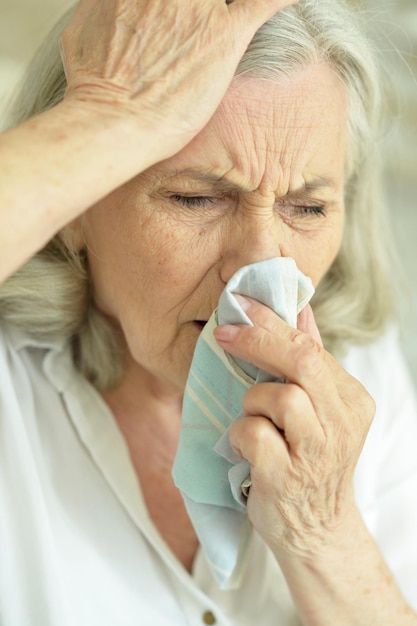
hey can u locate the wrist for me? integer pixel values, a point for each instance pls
(139, 126)
(114, 142)
(346, 581)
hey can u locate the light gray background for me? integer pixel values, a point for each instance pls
(393, 26)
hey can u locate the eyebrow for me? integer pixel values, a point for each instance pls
(227, 186)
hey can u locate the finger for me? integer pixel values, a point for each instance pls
(290, 410)
(308, 363)
(270, 342)
(257, 440)
(260, 10)
(307, 324)
(289, 352)
(249, 15)
(334, 394)
(261, 315)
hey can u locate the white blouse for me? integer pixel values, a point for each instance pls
(77, 547)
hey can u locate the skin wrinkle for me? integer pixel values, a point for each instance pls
(272, 177)
(223, 184)
(299, 128)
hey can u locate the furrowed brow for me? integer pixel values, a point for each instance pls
(227, 186)
(316, 184)
(219, 182)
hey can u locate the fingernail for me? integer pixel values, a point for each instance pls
(226, 333)
(244, 303)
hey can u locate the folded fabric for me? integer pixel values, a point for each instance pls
(206, 470)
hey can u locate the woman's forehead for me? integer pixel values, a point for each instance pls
(280, 133)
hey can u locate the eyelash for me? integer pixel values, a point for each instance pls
(313, 210)
(200, 202)
(195, 202)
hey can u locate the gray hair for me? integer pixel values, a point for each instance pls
(50, 295)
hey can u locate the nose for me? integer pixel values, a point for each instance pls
(253, 234)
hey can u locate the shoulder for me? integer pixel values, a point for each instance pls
(29, 365)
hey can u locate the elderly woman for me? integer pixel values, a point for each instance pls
(199, 148)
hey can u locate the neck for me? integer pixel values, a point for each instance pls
(148, 413)
(142, 395)
(147, 410)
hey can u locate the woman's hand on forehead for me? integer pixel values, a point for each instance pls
(143, 78)
(169, 63)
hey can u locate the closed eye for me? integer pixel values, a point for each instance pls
(202, 202)
(302, 210)
(313, 210)
(194, 202)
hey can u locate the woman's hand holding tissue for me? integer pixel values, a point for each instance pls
(302, 438)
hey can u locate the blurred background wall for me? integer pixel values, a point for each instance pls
(392, 25)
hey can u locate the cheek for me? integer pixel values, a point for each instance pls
(314, 255)
(327, 253)
(169, 255)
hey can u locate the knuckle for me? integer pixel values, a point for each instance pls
(370, 406)
(367, 404)
(310, 360)
(256, 340)
(251, 434)
(361, 397)
(261, 433)
(251, 399)
(360, 407)
(290, 399)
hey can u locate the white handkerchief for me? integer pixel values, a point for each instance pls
(206, 470)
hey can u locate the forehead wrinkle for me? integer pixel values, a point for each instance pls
(269, 146)
(257, 138)
(222, 183)
(251, 144)
(225, 185)
(245, 145)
